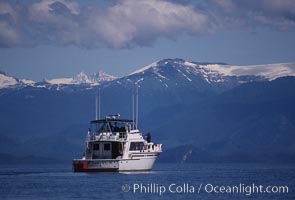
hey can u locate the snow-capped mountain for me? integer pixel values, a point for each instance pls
(58, 83)
(9, 81)
(82, 78)
(268, 71)
(168, 73)
(216, 72)
(186, 70)
(27, 82)
(179, 74)
(100, 77)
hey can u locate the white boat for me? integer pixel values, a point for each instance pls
(114, 144)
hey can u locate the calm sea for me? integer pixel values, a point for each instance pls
(166, 181)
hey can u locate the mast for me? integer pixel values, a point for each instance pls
(97, 105)
(132, 108)
(136, 106)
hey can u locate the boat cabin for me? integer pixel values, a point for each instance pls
(105, 138)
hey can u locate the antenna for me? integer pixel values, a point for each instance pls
(132, 107)
(97, 105)
(136, 106)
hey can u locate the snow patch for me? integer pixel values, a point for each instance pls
(7, 81)
(64, 81)
(270, 71)
(190, 64)
(139, 81)
(184, 75)
(101, 76)
(82, 78)
(144, 68)
(156, 71)
(223, 69)
(27, 81)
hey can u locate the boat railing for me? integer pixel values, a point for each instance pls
(118, 136)
(154, 147)
(133, 131)
(149, 148)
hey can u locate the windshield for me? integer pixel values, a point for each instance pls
(110, 127)
(117, 126)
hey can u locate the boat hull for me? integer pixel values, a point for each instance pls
(114, 165)
(137, 164)
(102, 165)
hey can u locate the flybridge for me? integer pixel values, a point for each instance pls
(111, 120)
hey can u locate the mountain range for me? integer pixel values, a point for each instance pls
(201, 112)
(211, 72)
(80, 79)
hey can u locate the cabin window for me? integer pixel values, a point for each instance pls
(117, 126)
(95, 147)
(136, 146)
(107, 147)
(104, 128)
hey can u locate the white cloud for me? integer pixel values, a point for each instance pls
(53, 12)
(125, 24)
(6, 8)
(276, 14)
(129, 23)
(144, 21)
(9, 32)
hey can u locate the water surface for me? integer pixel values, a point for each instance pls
(186, 181)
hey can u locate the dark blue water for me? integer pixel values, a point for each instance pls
(186, 181)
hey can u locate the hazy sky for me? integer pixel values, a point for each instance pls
(60, 38)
